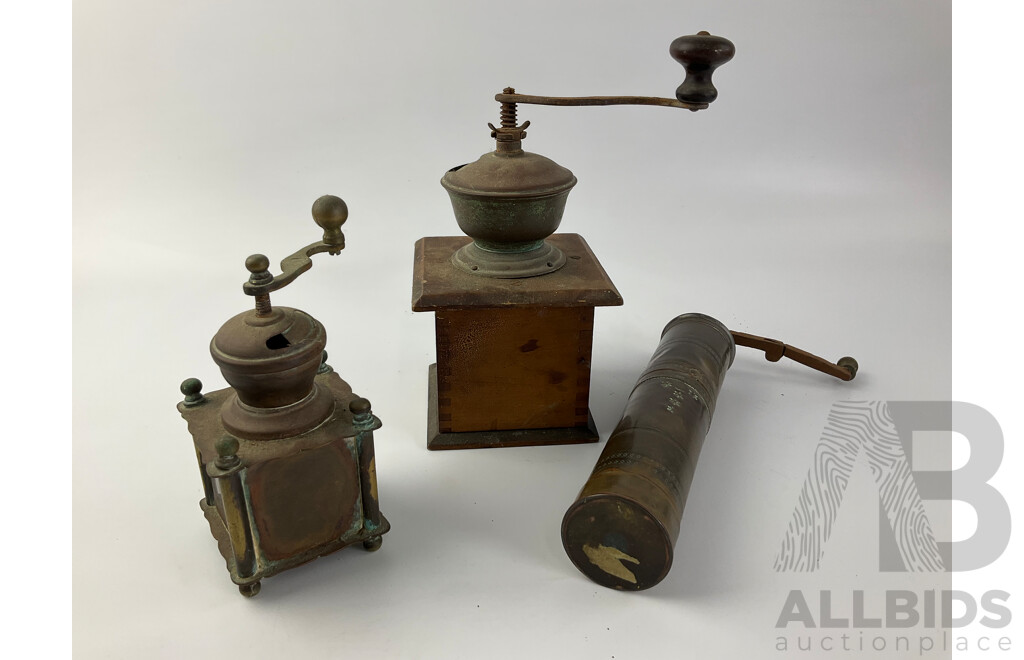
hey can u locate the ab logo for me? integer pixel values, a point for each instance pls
(882, 432)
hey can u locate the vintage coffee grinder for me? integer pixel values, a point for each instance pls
(286, 453)
(513, 302)
(621, 531)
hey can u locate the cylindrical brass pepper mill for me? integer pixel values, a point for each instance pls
(622, 529)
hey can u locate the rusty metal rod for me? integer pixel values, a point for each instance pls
(775, 350)
(597, 100)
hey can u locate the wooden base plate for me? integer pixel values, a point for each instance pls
(570, 435)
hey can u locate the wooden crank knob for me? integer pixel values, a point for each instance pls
(700, 54)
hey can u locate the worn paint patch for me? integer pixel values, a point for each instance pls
(610, 561)
(373, 477)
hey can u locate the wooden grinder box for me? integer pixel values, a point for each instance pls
(513, 355)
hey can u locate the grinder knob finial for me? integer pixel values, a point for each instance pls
(700, 54)
(331, 212)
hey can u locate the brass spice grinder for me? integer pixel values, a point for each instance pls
(286, 453)
(621, 531)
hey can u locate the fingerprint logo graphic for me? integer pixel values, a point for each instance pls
(854, 427)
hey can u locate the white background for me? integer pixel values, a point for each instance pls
(811, 202)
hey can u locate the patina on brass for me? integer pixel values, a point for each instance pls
(509, 200)
(286, 453)
(514, 302)
(621, 531)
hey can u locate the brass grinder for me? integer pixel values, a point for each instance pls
(286, 453)
(622, 529)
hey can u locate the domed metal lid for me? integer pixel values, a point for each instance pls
(517, 174)
(266, 344)
(271, 361)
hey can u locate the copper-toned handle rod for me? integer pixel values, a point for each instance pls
(330, 213)
(291, 267)
(597, 100)
(775, 350)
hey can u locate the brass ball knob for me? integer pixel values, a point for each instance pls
(192, 388)
(330, 213)
(257, 263)
(359, 406)
(227, 446)
(258, 266)
(227, 452)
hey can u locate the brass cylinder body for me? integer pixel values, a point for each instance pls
(622, 528)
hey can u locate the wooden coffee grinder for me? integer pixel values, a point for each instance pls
(513, 302)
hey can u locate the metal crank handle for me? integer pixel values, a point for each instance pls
(700, 54)
(330, 213)
(774, 350)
